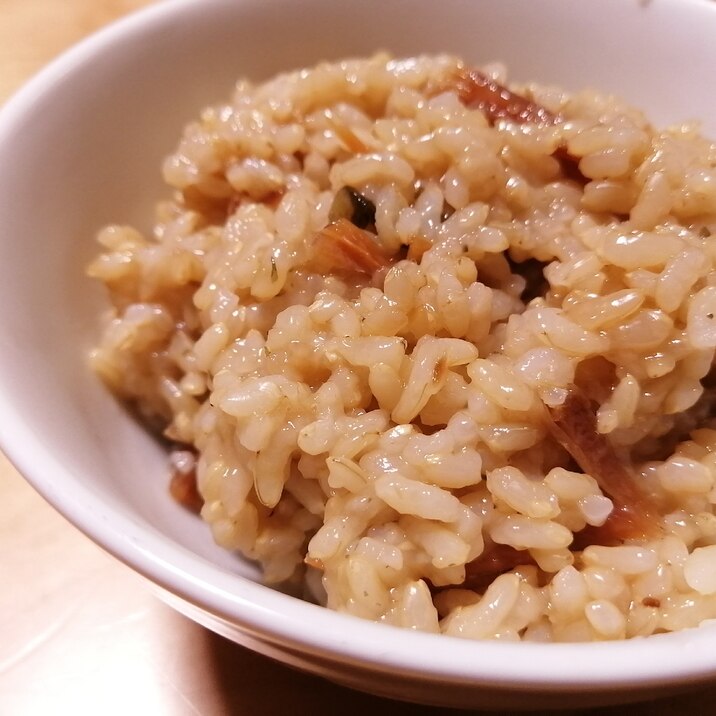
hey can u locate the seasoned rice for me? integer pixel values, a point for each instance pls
(431, 361)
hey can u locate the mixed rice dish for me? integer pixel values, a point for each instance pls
(436, 352)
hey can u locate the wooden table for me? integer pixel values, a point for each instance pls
(79, 633)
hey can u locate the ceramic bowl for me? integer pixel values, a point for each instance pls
(81, 146)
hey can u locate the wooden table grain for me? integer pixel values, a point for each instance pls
(79, 633)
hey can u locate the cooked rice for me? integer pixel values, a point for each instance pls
(388, 427)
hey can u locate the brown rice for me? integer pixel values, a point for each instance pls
(385, 414)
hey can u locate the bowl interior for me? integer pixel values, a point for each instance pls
(81, 146)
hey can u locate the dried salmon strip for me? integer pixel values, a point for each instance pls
(341, 247)
(574, 426)
(494, 561)
(478, 91)
(349, 138)
(183, 488)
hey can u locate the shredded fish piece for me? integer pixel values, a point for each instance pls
(183, 489)
(478, 91)
(494, 561)
(574, 426)
(417, 247)
(349, 138)
(341, 247)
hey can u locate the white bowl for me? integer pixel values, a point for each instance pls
(80, 146)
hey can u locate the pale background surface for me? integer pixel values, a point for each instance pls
(79, 633)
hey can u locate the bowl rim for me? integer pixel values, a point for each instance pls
(282, 619)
